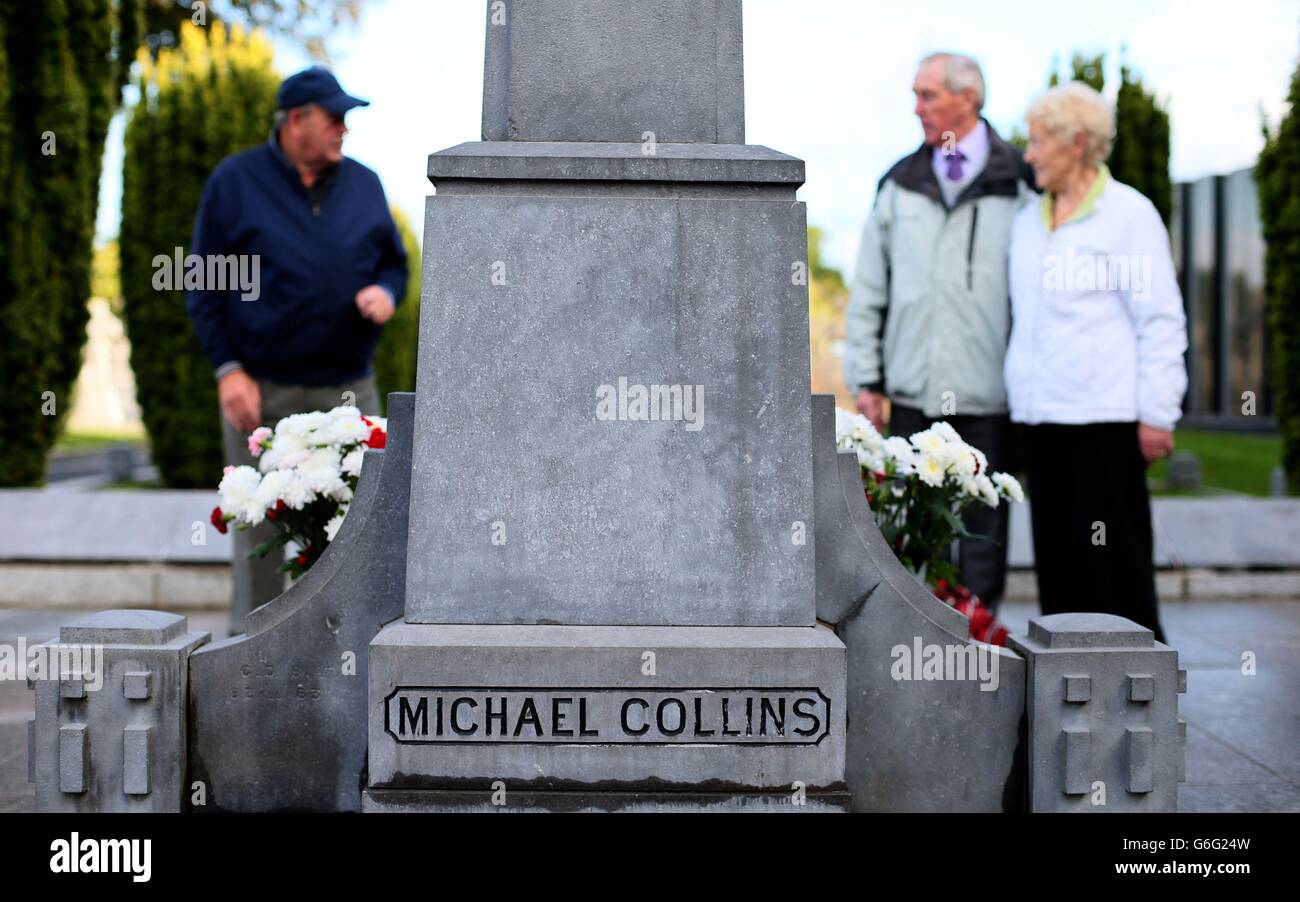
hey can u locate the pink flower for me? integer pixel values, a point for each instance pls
(260, 434)
(226, 471)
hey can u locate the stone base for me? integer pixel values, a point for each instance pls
(390, 801)
(607, 709)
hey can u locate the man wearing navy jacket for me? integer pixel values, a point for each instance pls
(331, 269)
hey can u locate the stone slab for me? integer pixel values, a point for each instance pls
(952, 743)
(381, 801)
(590, 70)
(152, 525)
(1224, 533)
(109, 584)
(606, 708)
(527, 506)
(1119, 749)
(590, 161)
(108, 746)
(278, 715)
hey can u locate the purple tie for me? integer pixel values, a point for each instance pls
(955, 159)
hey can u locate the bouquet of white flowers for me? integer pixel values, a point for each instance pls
(307, 471)
(918, 487)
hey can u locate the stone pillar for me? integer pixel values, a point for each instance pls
(610, 592)
(1102, 701)
(110, 733)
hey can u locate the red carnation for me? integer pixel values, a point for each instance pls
(219, 520)
(378, 438)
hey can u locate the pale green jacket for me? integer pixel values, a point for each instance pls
(929, 312)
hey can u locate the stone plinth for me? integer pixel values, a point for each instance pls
(111, 736)
(1104, 731)
(601, 709)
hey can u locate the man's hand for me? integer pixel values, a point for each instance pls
(1156, 443)
(871, 404)
(374, 304)
(241, 401)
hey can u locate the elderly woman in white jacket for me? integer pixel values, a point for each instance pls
(1095, 363)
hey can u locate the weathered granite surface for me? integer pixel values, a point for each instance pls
(278, 715)
(1103, 724)
(604, 708)
(557, 71)
(913, 744)
(528, 505)
(414, 801)
(111, 736)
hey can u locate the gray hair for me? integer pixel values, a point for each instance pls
(282, 116)
(959, 73)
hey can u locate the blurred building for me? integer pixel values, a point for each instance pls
(1218, 247)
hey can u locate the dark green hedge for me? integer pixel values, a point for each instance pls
(1278, 176)
(211, 96)
(60, 80)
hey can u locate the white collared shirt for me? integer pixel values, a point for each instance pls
(975, 147)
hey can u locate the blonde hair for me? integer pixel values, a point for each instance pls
(1074, 108)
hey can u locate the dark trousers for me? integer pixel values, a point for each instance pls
(255, 581)
(981, 561)
(1092, 521)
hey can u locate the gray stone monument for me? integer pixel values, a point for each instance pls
(610, 590)
(1104, 731)
(109, 732)
(610, 559)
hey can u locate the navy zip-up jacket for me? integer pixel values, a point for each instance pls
(317, 249)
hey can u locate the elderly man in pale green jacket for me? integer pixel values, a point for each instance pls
(929, 313)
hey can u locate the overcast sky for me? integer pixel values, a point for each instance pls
(829, 81)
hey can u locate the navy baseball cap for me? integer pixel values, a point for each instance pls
(316, 85)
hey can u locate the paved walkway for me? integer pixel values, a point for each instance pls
(1243, 732)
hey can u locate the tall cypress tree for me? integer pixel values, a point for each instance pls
(1277, 174)
(1140, 156)
(211, 96)
(61, 70)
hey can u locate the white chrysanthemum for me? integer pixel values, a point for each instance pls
(341, 493)
(281, 459)
(1009, 487)
(930, 468)
(320, 470)
(351, 465)
(347, 431)
(961, 459)
(297, 493)
(899, 450)
(929, 443)
(332, 527)
(982, 462)
(273, 488)
(300, 424)
(988, 492)
(238, 490)
(946, 432)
